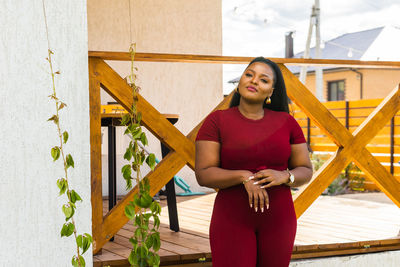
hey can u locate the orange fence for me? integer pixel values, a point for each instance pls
(352, 144)
(385, 146)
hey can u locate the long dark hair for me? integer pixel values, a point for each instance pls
(279, 98)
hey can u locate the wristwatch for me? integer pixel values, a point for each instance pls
(291, 178)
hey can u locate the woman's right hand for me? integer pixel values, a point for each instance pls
(258, 197)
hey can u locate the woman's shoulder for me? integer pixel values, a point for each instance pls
(282, 115)
(222, 112)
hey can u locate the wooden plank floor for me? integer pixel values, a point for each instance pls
(331, 223)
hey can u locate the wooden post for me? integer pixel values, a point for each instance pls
(308, 131)
(347, 114)
(95, 156)
(392, 145)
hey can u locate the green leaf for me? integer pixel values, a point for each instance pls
(75, 261)
(136, 133)
(53, 118)
(126, 171)
(146, 183)
(147, 216)
(133, 241)
(86, 244)
(62, 185)
(156, 260)
(67, 229)
(156, 241)
(130, 211)
(145, 201)
(65, 136)
(150, 259)
(128, 154)
(138, 234)
(74, 196)
(155, 208)
(79, 240)
(151, 161)
(149, 241)
(139, 117)
(89, 237)
(156, 222)
(138, 222)
(125, 119)
(143, 139)
(142, 157)
(70, 161)
(68, 211)
(142, 251)
(72, 204)
(133, 258)
(55, 153)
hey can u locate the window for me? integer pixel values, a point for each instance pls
(336, 90)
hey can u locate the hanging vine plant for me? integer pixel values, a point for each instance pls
(146, 238)
(83, 241)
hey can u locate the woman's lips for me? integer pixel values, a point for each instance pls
(251, 88)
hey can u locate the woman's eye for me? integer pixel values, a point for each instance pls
(264, 81)
(248, 75)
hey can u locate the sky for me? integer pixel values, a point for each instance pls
(258, 27)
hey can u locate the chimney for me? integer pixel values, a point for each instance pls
(289, 44)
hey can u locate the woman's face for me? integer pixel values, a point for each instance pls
(256, 82)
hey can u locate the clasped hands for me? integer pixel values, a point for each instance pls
(256, 184)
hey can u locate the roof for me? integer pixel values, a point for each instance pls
(374, 44)
(378, 44)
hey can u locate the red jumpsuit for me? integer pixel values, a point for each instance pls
(239, 236)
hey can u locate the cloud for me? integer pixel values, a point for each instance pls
(245, 32)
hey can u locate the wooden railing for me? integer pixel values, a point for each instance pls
(350, 147)
(385, 146)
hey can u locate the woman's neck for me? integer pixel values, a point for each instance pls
(251, 111)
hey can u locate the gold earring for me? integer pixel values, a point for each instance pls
(268, 100)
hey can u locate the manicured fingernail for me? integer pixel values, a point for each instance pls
(267, 206)
(255, 183)
(256, 209)
(251, 205)
(263, 186)
(251, 177)
(262, 209)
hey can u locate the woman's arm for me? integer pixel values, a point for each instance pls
(207, 170)
(208, 173)
(299, 165)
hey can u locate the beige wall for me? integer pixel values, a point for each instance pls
(168, 26)
(377, 83)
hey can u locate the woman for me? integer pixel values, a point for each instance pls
(253, 152)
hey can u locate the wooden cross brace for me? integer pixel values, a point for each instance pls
(183, 150)
(351, 146)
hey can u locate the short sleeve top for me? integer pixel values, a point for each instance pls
(252, 145)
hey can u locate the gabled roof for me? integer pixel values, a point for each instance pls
(374, 44)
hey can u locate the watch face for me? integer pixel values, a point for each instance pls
(291, 178)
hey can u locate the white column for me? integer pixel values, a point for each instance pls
(31, 217)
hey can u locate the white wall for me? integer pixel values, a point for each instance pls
(31, 216)
(384, 259)
(187, 89)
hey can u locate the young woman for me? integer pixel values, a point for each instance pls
(253, 152)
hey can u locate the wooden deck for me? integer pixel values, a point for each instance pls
(331, 226)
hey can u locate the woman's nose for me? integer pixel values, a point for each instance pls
(254, 80)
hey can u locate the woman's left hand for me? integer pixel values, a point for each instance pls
(269, 177)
